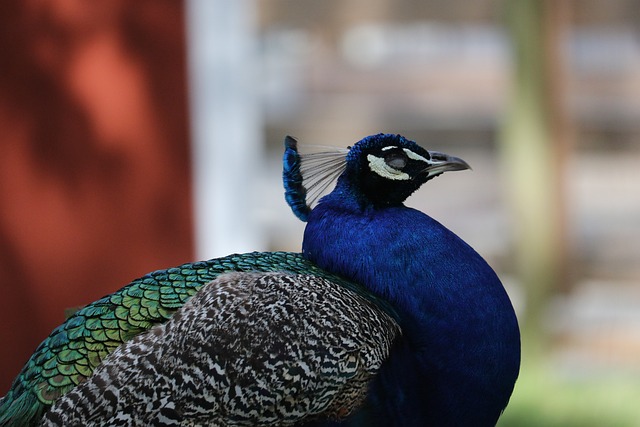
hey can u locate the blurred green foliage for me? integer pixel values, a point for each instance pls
(549, 397)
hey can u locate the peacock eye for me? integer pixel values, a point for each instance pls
(396, 159)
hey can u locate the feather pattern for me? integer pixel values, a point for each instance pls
(294, 346)
(306, 177)
(74, 349)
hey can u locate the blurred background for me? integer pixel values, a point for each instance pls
(141, 135)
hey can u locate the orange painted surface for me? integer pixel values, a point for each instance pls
(94, 161)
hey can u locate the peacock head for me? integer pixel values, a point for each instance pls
(380, 170)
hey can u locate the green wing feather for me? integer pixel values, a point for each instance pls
(75, 348)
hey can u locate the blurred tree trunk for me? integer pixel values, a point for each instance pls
(535, 142)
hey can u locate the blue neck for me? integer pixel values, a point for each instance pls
(458, 357)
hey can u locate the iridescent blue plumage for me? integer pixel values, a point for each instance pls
(458, 358)
(294, 192)
(386, 318)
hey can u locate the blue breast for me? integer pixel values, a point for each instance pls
(459, 354)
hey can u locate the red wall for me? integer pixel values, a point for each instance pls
(94, 160)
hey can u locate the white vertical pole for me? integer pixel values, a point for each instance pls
(225, 124)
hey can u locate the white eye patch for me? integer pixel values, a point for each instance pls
(412, 155)
(379, 166)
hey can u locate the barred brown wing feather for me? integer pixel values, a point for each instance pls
(249, 349)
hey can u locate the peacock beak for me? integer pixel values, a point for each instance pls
(440, 163)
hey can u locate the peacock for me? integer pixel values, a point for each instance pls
(385, 318)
